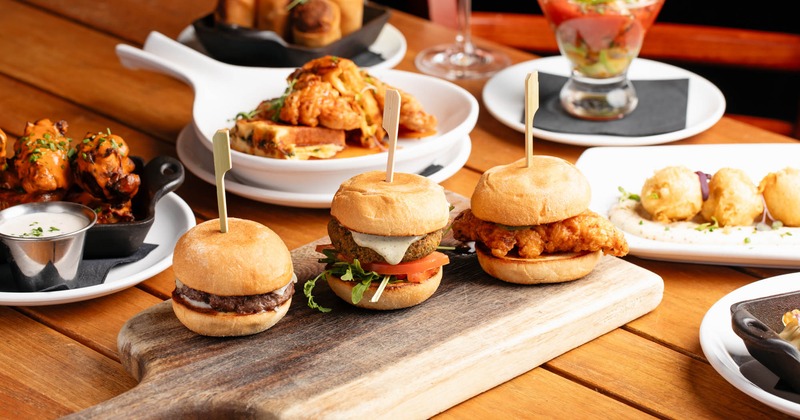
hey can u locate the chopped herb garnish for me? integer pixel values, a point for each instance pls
(625, 195)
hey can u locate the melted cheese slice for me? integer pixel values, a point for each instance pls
(391, 248)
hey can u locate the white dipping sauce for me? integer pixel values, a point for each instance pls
(628, 216)
(42, 225)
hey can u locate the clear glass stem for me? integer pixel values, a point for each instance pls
(464, 36)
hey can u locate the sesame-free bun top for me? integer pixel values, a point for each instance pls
(551, 189)
(249, 259)
(410, 205)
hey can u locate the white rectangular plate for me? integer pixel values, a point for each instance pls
(609, 168)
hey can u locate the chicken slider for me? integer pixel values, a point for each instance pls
(231, 284)
(532, 224)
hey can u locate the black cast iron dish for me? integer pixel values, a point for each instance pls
(162, 175)
(758, 322)
(249, 47)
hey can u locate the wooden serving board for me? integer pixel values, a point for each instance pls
(474, 333)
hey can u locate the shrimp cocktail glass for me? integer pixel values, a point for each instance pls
(600, 38)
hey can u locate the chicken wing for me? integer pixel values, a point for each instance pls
(104, 169)
(587, 231)
(41, 157)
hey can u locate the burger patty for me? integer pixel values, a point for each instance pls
(343, 241)
(244, 305)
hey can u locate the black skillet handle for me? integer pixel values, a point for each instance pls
(164, 174)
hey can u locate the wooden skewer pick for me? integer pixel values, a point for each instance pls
(391, 119)
(531, 105)
(222, 164)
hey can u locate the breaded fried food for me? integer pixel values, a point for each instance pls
(672, 193)
(587, 231)
(781, 192)
(733, 199)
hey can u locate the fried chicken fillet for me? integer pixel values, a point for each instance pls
(587, 231)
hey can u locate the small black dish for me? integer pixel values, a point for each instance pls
(249, 47)
(160, 176)
(757, 322)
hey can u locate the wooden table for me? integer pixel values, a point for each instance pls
(57, 61)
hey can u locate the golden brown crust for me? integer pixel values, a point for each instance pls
(236, 12)
(250, 259)
(273, 15)
(549, 268)
(551, 189)
(316, 23)
(352, 15)
(410, 205)
(394, 296)
(223, 324)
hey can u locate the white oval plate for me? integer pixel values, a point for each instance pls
(504, 98)
(173, 218)
(609, 168)
(390, 44)
(728, 355)
(200, 162)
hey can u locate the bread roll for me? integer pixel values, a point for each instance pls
(236, 12)
(273, 15)
(352, 15)
(316, 23)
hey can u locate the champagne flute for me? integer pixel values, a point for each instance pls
(463, 59)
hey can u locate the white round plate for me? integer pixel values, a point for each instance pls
(390, 44)
(728, 355)
(173, 218)
(504, 98)
(199, 161)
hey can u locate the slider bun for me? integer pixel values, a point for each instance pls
(226, 324)
(548, 268)
(410, 205)
(552, 189)
(394, 296)
(250, 259)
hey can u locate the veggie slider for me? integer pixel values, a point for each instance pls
(531, 224)
(384, 237)
(231, 284)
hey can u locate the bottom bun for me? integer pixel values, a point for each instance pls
(553, 268)
(394, 296)
(226, 324)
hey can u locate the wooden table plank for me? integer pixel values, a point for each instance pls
(46, 374)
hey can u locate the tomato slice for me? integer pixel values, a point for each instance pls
(431, 261)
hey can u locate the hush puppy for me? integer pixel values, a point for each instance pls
(733, 199)
(781, 191)
(672, 193)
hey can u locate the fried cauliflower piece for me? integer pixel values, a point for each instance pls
(781, 192)
(587, 231)
(733, 199)
(672, 193)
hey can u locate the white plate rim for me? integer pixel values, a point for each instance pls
(390, 44)
(506, 104)
(717, 338)
(755, 158)
(188, 144)
(165, 233)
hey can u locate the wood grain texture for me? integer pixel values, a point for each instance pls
(473, 334)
